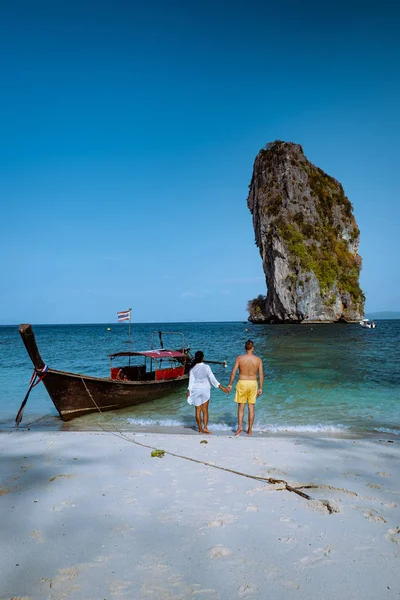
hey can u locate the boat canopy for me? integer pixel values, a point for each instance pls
(156, 354)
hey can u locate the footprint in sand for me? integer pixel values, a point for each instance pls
(204, 592)
(270, 472)
(247, 589)
(289, 522)
(230, 488)
(219, 552)
(393, 535)
(271, 571)
(290, 585)
(130, 500)
(122, 529)
(274, 574)
(288, 540)
(374, 486)
(63, 583)
(317, 557)
(120, 588)
(252, 508)
(63, 505)
(257, 490)
(383, 474)
(37, 536)
(213, 480)
(372, 515)
(222, 520)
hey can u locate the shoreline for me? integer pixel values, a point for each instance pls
(53, 424)
(222, 433)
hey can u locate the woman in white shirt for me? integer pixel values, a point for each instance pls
(198, 393)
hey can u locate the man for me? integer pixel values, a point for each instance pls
(247, 389)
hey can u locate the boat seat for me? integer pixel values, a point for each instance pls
(134, 373)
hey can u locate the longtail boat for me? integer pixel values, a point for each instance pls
(75, 395)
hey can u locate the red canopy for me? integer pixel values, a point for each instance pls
(153, 354)
(162, 354)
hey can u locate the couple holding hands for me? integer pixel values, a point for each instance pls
(247, 389)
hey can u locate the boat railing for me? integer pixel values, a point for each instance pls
(160, 338)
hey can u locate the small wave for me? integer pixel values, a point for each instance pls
(268, 428)
(318, 428)
(155, 422)
(387, 430)
(175, 423)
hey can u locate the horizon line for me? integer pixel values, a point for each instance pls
(121, 323)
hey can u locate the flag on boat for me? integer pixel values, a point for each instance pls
(124, 315)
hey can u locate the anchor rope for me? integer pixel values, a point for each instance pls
(38, 374)
(270, 480)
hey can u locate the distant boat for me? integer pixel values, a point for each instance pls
(74, 395)
(367, 324)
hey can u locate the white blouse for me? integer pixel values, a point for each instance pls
(201, 375)
(200, 378)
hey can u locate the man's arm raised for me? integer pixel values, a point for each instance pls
(233, 373)
(261, 378)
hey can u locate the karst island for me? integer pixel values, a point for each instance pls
(308, 241)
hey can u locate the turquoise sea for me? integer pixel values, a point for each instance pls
(320, 378)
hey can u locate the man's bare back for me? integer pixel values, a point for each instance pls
(248, 365)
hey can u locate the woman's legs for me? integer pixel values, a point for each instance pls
(204, 410)
(198, 418)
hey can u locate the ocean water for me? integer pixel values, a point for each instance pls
(319, 378)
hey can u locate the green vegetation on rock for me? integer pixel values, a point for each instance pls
(327, 256)
(256, 306)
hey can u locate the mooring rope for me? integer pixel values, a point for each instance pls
(39, 374)
(120, 434)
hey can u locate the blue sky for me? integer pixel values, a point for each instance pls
(128, 135)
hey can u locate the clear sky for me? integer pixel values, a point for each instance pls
(127, 138)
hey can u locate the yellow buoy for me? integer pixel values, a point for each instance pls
(108, 328)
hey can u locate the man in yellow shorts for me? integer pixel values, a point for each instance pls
(247, 388)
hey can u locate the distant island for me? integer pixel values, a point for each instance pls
(308, 240)
(385, 314)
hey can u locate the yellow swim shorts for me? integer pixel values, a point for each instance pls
(246, 391)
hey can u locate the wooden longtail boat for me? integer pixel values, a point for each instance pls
(75, 395)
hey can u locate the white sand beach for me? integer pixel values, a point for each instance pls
(94, 516)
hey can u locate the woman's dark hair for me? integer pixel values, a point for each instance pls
(198, 358)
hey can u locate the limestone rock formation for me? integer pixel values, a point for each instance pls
(308, 240)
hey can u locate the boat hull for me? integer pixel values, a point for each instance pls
(75, 395)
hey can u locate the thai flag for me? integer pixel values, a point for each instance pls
(125, 315)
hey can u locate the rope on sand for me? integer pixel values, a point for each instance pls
(270, 480)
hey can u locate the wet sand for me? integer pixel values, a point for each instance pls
(91, 515)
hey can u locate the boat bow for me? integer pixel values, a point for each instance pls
(28, 337)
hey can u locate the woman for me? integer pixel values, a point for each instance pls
(198, 393)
